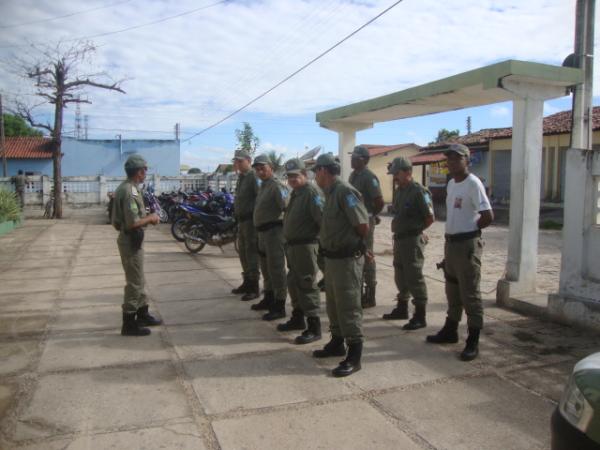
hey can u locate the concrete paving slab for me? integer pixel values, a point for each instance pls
(203, 311)
(260, 381)
(193, 291)
(84, 350)
(79, 298)
(31, 262)
(227, 273)
(170, 266)
(476, 413)
(402, 361)
(19, 286)
(95, 281)
(87, 319)
(348, 425)
(113, 259)
(30, 301)
(548, 381)
(102, 399)
(24, 273)
(7, 397)
(97, 269)
(23, 323)
(225, 339)
(176, 436)
(184, 276)
(17, 356)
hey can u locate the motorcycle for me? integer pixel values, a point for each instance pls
(153, 205)
(211, 229)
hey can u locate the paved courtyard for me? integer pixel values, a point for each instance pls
(214, 376)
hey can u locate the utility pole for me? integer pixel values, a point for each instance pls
(581, 127)
(2, 144)
(468, 124)
(176, 131)
(78, 120)
(85, 126)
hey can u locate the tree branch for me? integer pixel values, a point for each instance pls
(25, 113)
(88, 82)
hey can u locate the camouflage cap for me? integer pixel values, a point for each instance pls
(241, 154)
(294, 166)
(461, 149)
(360, 151)
(135, 161)
(326, 159)
(261, 160)
(398, 164)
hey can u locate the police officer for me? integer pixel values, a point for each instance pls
(413, 213)
(301, 225)
(367, 183)
(468, 211)
(20, 180)
(344, 229)
(270, 204)
(245, 197)
(129, 218)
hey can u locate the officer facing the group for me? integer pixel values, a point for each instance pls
(245, 198)
(468, 211)
(344, 229)
(367, 183)
(413, 213)
(20, 180)
(129, 218)
(301, 225)
(270, 204)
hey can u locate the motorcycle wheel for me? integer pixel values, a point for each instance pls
(177, 229)
(192, 245)
(164, 217)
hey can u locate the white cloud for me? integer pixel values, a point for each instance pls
(500, 111)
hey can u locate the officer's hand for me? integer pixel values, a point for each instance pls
(377, 220)
(153, 219)
(369, 256)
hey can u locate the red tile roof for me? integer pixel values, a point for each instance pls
(376, 150)
(28, 148)
(427, 158)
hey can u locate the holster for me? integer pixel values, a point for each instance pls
(136, 237)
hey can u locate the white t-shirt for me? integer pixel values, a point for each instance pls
(464, 200)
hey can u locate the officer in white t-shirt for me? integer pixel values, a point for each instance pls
(468, 211)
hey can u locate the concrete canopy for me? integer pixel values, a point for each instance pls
(477, 87)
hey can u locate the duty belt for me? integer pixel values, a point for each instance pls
(341, 254)
(406, 234)
(459, 237)
(267, 226)
(301, 241)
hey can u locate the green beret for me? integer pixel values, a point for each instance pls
(135, 161)
(398, 164)
(294, 165)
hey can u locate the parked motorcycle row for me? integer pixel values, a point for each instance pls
(197, 218)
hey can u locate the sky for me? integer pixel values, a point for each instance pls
(194, 62)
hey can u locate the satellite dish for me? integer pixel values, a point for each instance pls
(311, 153)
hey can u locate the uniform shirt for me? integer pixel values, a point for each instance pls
(412, 205)
(368, 185)
(19, 181)
(271, 201)
(463, 203)
(128, 206)
(303, 215)
(245, 194)
(343, 211)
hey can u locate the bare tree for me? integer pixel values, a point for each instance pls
(57, 74)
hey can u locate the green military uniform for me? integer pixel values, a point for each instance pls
(412, 206)
(20, 181)
(128, 207)
(271, 202)
(367, 183)
(245, 198)
(342, 212)
(300, 230)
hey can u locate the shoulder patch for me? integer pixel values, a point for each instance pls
(258, 181)
(427, 197)
(317, 200)
(351, 200)
(134, 206)
(284, 192)
(375, 182)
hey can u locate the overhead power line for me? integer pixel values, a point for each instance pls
(312, 61)
(49, 19)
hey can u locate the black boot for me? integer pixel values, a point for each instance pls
(276, 311)
(447, 335)
(296, 322)
(418, 319)
(265, 303)
(335, 347)
(312, 333)
(241, 289)
(352, 362)
(145, 319)
(472, 348)
(252, 291)
(131, 327)
(400, 312)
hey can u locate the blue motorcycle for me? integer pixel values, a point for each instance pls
(211, 229)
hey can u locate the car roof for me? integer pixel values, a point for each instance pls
(589, 362)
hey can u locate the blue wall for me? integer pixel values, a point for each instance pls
(36, 166)
(107, 157)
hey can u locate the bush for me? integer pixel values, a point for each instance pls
(9, 206)
(550, 225)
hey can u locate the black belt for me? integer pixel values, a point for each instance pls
(301, 241)
(245, 218)
(459, 237)
(267, 226)
(406, 234)
(341, 254)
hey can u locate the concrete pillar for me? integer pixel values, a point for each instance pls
(346, 141)
(526, 172)
(103, 191)
(156, 182)
(46, 189)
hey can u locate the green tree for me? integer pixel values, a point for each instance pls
(276, 160)
(194, 170)
(445, 136)
(16, 126)
(246, 139)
